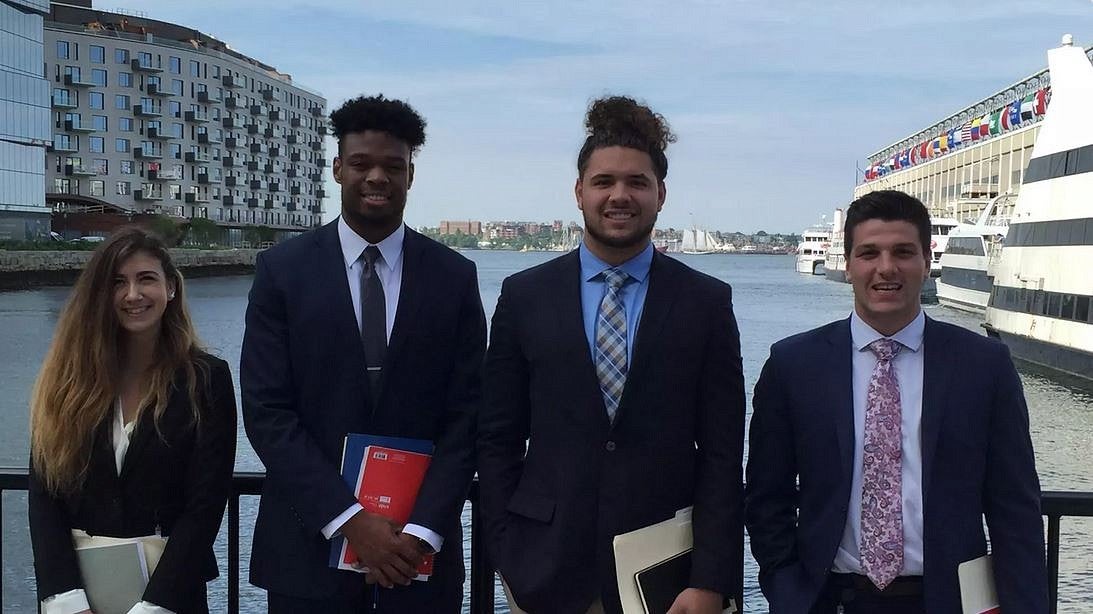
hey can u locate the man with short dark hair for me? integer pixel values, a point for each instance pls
(614, 394)
(880, 442)
(362, 326)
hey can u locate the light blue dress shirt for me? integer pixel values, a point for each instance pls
(632, 294)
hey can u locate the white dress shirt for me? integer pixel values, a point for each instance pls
(908, 366)
(389, 269)
(75, 600)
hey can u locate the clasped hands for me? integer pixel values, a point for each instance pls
(391, 556)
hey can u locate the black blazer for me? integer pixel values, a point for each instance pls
(304, 386)
(179, 482)
(553, 506)
(977, 461)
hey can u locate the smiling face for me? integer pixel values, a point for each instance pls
(887, 268)
(375, 172)
(141, 294)
(620, 197)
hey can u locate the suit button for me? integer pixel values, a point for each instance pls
(610, 446)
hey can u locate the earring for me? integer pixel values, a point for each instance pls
(171, 296)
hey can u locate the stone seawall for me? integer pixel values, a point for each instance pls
(22, 270)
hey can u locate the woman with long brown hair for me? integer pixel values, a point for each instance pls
(133, 430)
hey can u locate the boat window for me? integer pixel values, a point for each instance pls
(1056, 165)
(1081, 309)
(1067, 312)
(1071, 161)
(1085, 159)
(1053, 304)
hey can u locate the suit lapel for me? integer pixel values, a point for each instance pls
(937, 367)
(143, 433)
(409, 297)
(840, 370)
(569, 323)
(333, 289)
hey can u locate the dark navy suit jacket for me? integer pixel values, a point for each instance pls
(559, 480)
(977, 462)
(304, 386)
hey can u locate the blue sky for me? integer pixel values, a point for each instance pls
(775, 102)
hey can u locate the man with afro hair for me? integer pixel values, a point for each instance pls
(614, 395)
(362, 326)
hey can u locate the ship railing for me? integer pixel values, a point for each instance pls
(1055, 505)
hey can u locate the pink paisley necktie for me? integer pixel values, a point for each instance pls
(882, 493)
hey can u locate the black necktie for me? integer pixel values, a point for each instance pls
(373, 318)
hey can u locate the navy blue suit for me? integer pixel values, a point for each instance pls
(304, 386)
(977, 462)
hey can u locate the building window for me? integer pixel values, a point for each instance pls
(98, 54)
(176, 130)
(64, 50)
(98, 186)
(98, 122)
(95, 99)
(63, 96)
(121, 145)
(195, 68)
(216, 72)
(98, 77)
(145, 58)
(73, 71)
(176, 86)
(121, 101)
(176, 151)
(101, 166)
(125, 79)
(175, 108)
(126, 167)
(122, 188)
(176, 65)
(121, 56)
(125, 124)
(65, 142)
(96, 144)
(61, 185)
(176, 191)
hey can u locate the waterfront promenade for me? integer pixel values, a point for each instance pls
(771, 302)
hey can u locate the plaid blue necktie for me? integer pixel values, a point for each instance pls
(611, 342)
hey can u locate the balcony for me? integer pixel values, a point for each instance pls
(274, 186)
(64, 102)
(316, 145)
(274, 151)
(197, 117)
(257, 148)
(232, 102)
(319, 209)
(229, 122)
(269, 132)
(205, 138)
(295, 122)
(295, 190)
(72, 125)
(267, 94)
(231, 181)
(139, 66)
(257, 184)
(252, 128)
(229, 161)
(73, 81)
(196, 157)
(252, 166)
(296, 156)
(292, 205)
(196, 197)
(293, 139)
(321, 129)
(268, 203)
(155, 89)
(147, 111)
(292, 171)
(268, 168)
(233, 82)
(209, 98)
(257, 109)
(230, 201)
(252, 203)
(149, 153)
(315, 177)
(148, 195)
(231, 142)
(320, 162)
(80, 171)
(205, 178)
(320, 193)
(162, 175)
(158, 133)
(276, 115)
(316, 111)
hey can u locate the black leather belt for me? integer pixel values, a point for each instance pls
(903, 586)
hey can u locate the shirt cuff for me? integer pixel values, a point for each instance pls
(420, 532)
(334, 529)
(145, 607)
(69, 602)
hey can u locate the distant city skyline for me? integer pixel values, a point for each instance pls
(776, 105)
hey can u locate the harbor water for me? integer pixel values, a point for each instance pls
(771, 301)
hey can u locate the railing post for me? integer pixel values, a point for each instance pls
(233, 551)
(1, 546)
(1053, 562)
(481, 569)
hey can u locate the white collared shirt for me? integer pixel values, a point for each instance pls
(389, 269)
(908, 366)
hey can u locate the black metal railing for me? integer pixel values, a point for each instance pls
(1055, 505)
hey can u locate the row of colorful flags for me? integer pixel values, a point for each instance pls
(1007, 118)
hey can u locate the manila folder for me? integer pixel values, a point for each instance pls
(114, 576)
(977, 590)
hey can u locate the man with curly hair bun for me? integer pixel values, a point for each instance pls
(614, 394)
(362, 326)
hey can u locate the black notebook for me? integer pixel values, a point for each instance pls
(660, 584)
